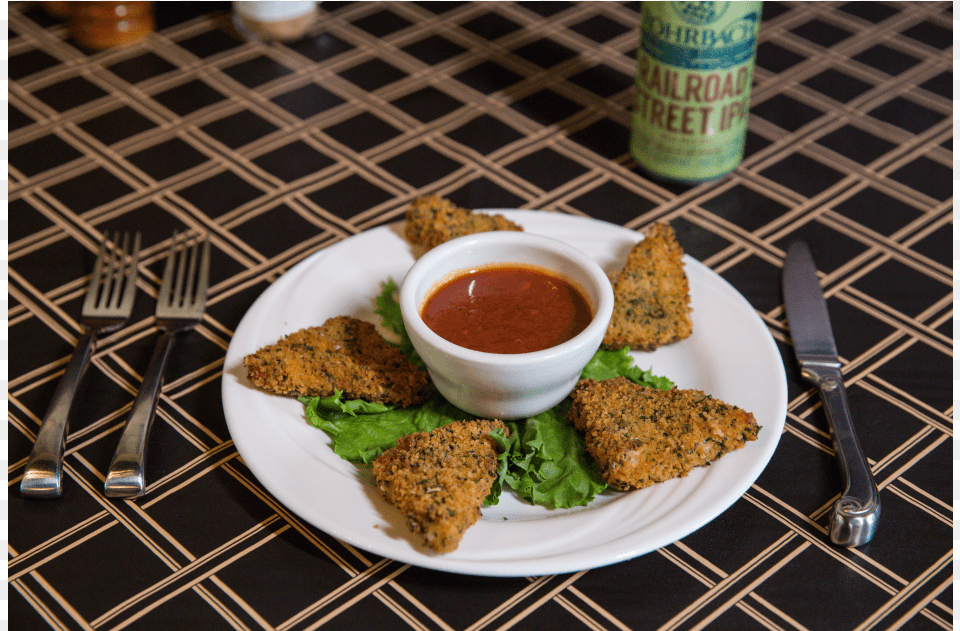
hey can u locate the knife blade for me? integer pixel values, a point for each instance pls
(856, 515)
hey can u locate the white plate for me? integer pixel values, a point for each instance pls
(731, 355)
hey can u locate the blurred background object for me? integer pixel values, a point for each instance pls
(272, 21)
(101, 25)
(60, 10)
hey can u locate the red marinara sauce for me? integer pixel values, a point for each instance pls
(507, 309)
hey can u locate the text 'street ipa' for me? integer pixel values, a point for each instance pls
(694, 73)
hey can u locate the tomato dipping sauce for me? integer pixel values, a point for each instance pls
(506, 309)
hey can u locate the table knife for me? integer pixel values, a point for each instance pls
(855, 516)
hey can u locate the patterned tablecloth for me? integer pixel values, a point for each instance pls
(279, 151)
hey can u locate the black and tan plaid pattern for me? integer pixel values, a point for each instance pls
(278, 151)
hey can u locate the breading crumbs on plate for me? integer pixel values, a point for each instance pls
(433, 220)
(439, 479)
(640, 436)
(651, 295)
(344, 354)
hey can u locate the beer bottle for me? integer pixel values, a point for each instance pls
(694, 73)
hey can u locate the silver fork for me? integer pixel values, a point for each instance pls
(107, 305)
(180, 305)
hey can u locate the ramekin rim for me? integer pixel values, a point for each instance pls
(586, 337)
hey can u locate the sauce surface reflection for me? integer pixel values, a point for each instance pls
(506, 309)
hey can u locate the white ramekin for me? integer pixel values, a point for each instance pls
(505, 386)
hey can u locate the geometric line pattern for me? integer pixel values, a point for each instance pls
(279, 151)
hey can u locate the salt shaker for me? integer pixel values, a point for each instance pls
(271, 21)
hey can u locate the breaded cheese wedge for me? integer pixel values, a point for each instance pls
(651, 295)
(439, 479)
(640, 436)
(343, 354)
(433, 220)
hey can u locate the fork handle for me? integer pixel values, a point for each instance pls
(125, 478)
(43, 475)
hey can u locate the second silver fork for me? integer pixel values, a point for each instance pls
(180, 305)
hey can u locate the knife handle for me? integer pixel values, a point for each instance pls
(856, 515)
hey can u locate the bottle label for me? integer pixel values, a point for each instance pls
(694, 73)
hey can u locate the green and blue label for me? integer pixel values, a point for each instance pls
(694, 74)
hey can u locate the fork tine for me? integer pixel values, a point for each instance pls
(109, 265)
(130, 280)
(190, 262)
(166, 282)
(188, 297)
(177, 300)
(93, 289)
(203, 278)
(117, 270)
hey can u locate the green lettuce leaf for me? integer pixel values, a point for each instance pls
(609, 364)
(388, 308)
(335, 403)
(549, 464)
(360, 437)
(505, 443)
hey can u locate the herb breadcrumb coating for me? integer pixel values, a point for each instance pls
(651, 295)
(439, 479)
(344, 354)
(640, 436)
(433, 220)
